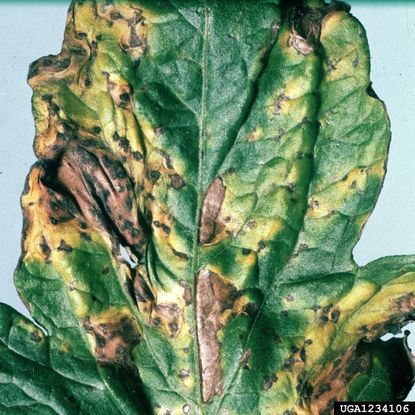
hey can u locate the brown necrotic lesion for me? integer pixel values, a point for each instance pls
(114, 340)
(96, 187)
(211, 223)
(214, 295)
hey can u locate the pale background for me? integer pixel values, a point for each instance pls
(29, 31)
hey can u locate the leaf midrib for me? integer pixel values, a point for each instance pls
(200, 192)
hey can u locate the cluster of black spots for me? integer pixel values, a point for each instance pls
(122, 142)
(288, 363)
(326, 313)
(167, 315)
(279, 103)
(166, 229)
(115, 168)
(304, 388)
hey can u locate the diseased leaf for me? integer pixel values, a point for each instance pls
(205, 170)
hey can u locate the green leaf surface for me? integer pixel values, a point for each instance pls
(389, 375)
(205, 171)
(32, 380)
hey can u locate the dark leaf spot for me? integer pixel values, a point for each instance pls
(154, 175)
(176, 181)
(269, 380)
(137, 155)
(85, 236)
(35, 337)
(63, 246)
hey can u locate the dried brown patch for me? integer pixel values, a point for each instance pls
(406, 303)
(306, 23)
(114, 341)
(269, 380)
(210, 226)
(213, 296)
(187, 293)
(143, 294)
(332, 383)
(168, 318)
(300, 44)
(99, 189)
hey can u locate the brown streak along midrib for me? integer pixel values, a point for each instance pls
(195, 250)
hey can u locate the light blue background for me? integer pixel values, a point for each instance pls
(29, 31)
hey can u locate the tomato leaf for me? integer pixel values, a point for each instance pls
(205, 171)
